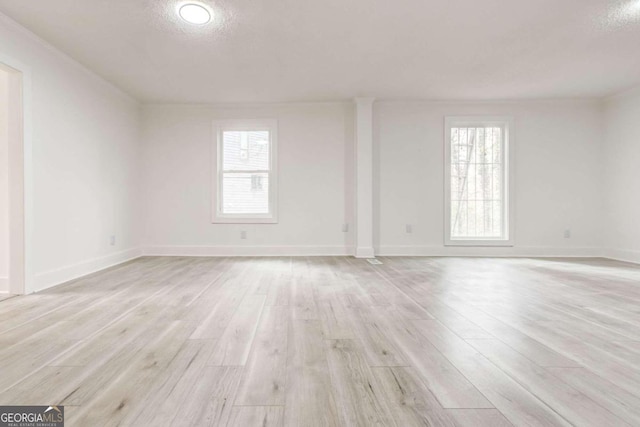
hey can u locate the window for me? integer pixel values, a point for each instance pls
(245, 182)
(477, 181)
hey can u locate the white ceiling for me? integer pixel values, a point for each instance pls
(303, 50)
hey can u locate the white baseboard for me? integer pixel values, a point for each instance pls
(55, 277)
(474, 251)
(380, 251)
(625, 255)
(4, 285)
(247, 251)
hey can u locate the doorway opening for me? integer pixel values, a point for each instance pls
(12, 182)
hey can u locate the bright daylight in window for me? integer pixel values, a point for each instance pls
(245, 177)
(478, 182)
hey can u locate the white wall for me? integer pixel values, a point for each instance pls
(315, 161)
(558, 179)
(622, 176)
(558, 176)
(4, 184)
(85, 135)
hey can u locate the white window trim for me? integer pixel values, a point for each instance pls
(509, 176)
(219, 126)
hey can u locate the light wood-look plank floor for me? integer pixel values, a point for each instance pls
(331, 341)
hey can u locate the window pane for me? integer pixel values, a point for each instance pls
(245, 193)
(477, 187)
(245, 150)
(497, 218)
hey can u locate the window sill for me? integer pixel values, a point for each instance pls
(232, 220)
(485, 243)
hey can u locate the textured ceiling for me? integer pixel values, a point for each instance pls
(303, 50)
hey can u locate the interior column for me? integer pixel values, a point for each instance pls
(364, 177)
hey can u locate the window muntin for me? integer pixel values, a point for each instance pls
(477, 182)
(245, 179)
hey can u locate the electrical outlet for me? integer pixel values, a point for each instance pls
(567, 234)
(409, 228)
(112, 240)
(345, 228)
(243, 235)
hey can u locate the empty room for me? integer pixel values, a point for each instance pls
(332, 213)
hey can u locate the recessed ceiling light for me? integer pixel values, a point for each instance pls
(624, 13)
(194, 13)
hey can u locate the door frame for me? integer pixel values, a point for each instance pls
(20, 176)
